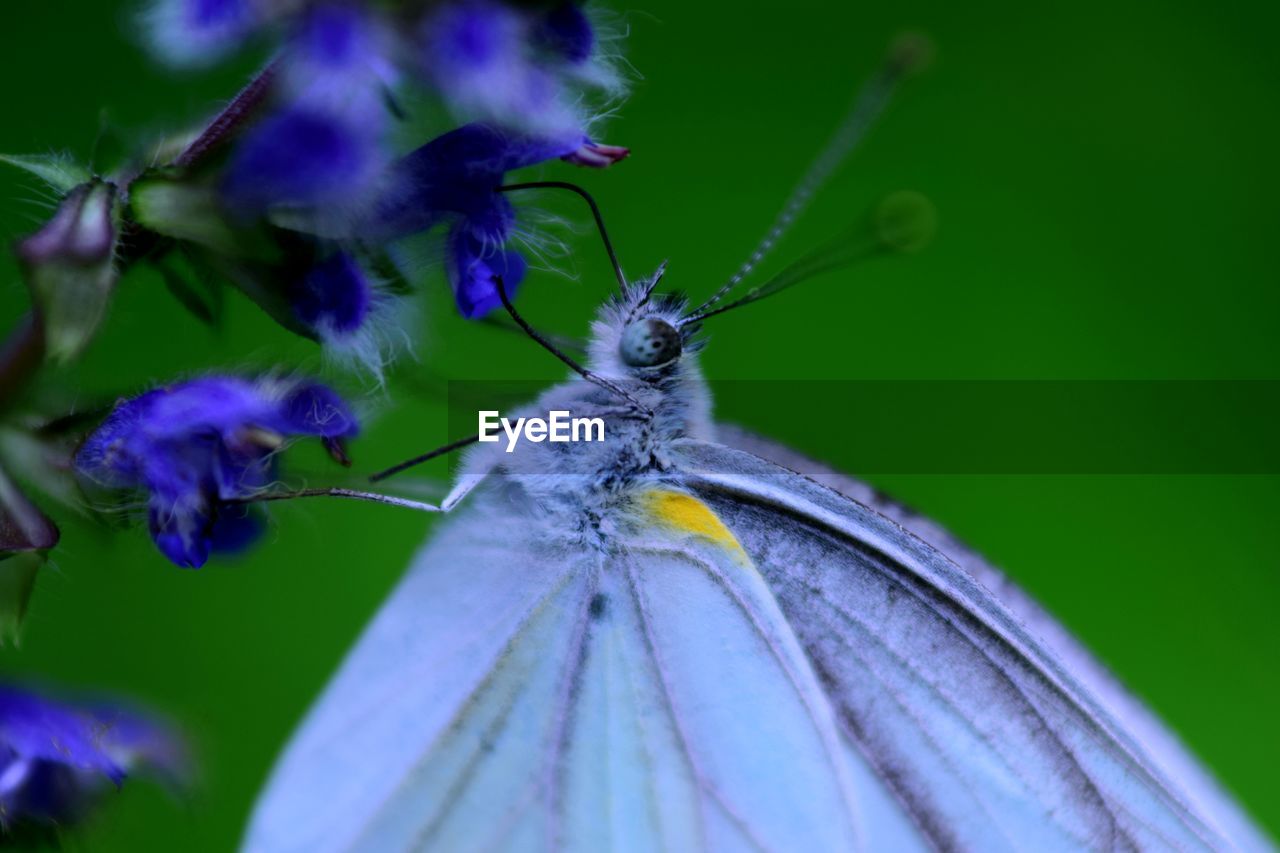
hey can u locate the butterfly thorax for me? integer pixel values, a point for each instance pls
(580, 486)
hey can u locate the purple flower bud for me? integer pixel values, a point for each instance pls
(56, 759)
(566, 31)
(69, 266)
(81, 232)
(201, 447)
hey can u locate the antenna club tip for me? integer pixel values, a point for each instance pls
(905, 221)
(911, 53)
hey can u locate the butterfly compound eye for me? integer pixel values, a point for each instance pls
(649, 343)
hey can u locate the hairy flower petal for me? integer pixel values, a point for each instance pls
(301, 157)
(199, 448)
(334, 296)
(454, 179)
(566, 31)
(337, 60)
(473, 265)
(456, 174)
(197, 32)
(479, 55)
(54, 758)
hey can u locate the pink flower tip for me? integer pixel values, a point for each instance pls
(596, 156)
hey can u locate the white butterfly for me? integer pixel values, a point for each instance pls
(687, 638)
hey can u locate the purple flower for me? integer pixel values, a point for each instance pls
(524, 65)
(196, 32)
(318, 162)
(359, 322)
(338, 58)
(472, 269)
(301, 157)
(199, 448)
(453, 179)
(324, 145)
(566, 31)
(56, 758)
(334, 297)
(484, 58)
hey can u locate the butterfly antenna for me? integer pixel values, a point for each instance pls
(903, 222)
(425, 457)
(908, 54)
(558, 353)
(595, 213)
(550, 345)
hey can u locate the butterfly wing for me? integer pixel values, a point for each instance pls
(1161, 745)
(521, 690)
(770, 769)
(459, 658)
(977, 727)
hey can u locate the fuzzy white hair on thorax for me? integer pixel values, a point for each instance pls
(637, 303)
(583, 479)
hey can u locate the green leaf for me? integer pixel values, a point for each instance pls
(56, 170)
(40, 454)
(17, 581)
(188, 296)
(261, 283)
(69, 267)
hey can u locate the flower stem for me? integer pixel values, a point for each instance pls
(243, 107)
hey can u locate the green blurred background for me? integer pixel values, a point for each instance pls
(1106, 178)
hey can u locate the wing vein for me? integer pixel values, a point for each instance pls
(460, 784)
(704, 784)
(576, 661)
(379, 701)
(753, 618)
(1006, 632)
(913, 803)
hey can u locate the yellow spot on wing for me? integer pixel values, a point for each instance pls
(686, 514)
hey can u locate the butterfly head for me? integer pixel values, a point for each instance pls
(649, 342)
(640, 335)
